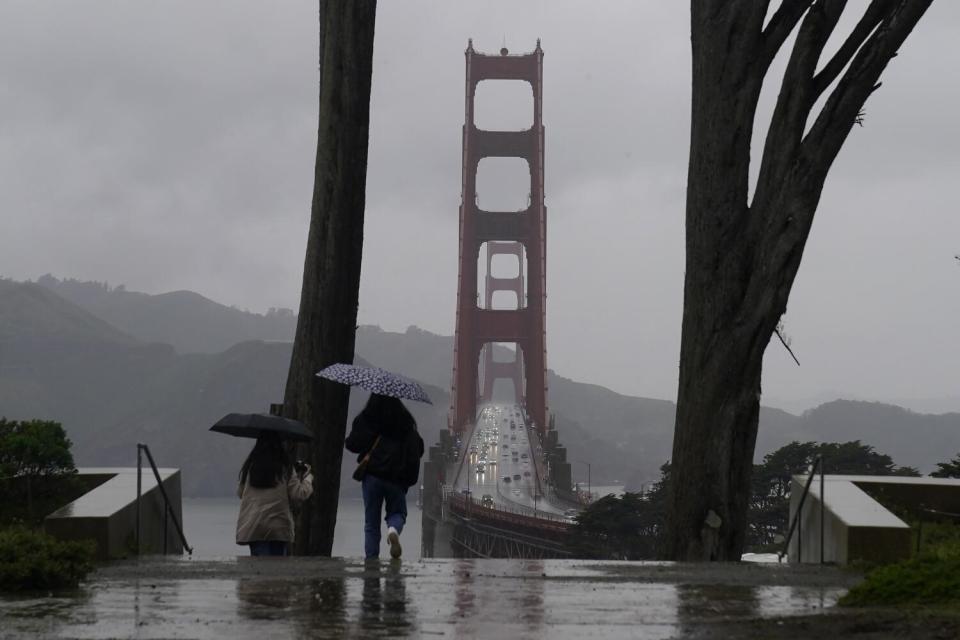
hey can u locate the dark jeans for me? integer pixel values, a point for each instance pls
(269, 548)
(376, 493)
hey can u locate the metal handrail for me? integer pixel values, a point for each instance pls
(168, 510)
(795, 523)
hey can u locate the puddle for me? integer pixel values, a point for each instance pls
(453, 598)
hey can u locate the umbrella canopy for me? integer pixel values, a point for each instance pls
(376, 380)
(251, 425)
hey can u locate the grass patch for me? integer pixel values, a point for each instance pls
(32, 560)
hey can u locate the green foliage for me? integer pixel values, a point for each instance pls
(911, 472)
(33, 560)
(34, 448)
(37, 474)
(937, 534)
(622, 528)
(932, 578)
(949, 469)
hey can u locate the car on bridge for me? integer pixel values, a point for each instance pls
(486, 501)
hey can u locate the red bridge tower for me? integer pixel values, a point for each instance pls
(517, 233)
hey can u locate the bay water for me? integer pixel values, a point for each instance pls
(210, 526)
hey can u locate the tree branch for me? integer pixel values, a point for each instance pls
(793, 175)
(796, 98)
(865, 26)
(783, 341)
(828, 133)
(780, 26)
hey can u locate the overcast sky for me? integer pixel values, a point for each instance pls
(170, 145)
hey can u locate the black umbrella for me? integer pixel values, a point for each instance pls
(251, 425)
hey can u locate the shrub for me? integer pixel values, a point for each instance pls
(32, 560)
(932, 578)
(37, 474)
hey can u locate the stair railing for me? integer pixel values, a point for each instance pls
(795, 523)
(168, 512)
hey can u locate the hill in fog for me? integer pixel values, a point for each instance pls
(187, 321)
(113, 386)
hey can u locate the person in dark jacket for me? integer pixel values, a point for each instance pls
(388, 433)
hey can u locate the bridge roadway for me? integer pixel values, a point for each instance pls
(501, 462)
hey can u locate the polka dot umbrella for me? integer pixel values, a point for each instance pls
(376, 380)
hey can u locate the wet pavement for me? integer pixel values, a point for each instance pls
(336, 598)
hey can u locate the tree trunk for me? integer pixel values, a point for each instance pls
(742, 256)
(326, 327)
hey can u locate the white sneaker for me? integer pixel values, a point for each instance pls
(393, 538)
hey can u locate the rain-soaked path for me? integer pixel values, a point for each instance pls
(334, 598)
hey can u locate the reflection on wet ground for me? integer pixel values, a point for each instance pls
(317, 598)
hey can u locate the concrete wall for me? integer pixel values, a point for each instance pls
(107, 514)
(805, 544)
(855, 526)
(881, 546)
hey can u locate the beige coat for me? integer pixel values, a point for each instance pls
(265, 513)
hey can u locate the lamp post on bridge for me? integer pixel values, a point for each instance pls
(589, 487)
(467, 496)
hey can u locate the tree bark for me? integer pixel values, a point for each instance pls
(326, 327)
(743, 256)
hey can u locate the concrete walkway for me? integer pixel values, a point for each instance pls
(504, 599)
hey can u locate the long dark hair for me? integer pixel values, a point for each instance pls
(388, 416)
(268, 464)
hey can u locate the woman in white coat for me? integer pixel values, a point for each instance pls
(269, 484)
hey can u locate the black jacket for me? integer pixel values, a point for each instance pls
(396, 457)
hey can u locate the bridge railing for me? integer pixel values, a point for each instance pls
(533, 436)
(548, 491)
(466, 505)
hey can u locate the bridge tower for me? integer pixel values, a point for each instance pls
(517, 233)
(493, 369)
